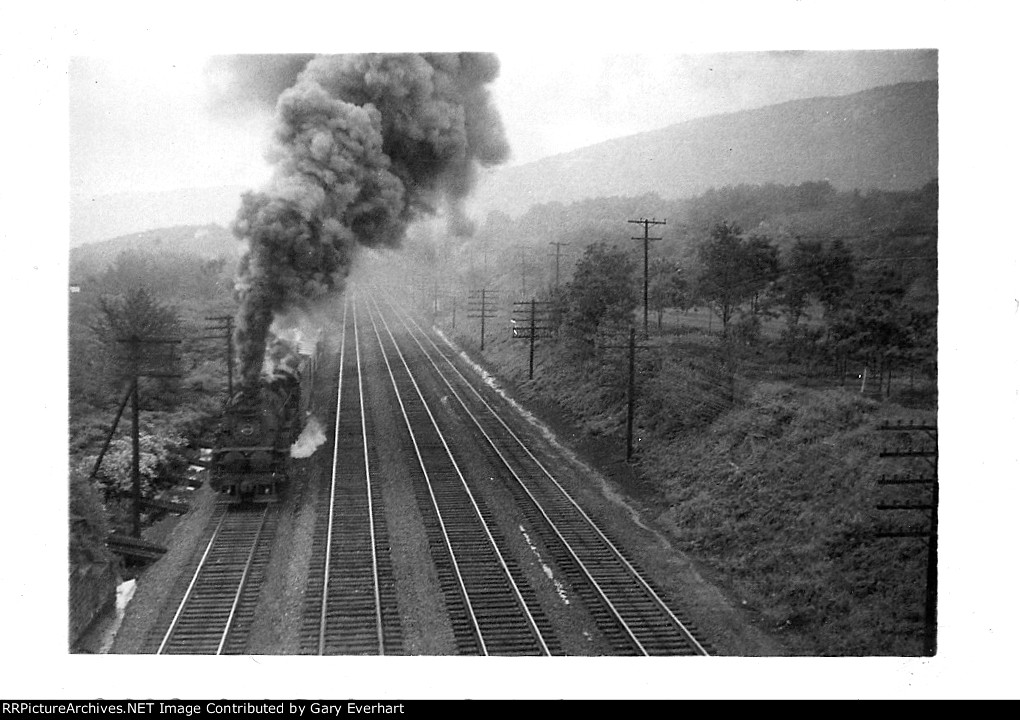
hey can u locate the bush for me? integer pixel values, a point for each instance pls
(748, 330)
(89, 525)
(802, 342)
(160, 457)
(687, 393)
(601, 294)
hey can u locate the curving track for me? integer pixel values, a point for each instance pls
(628, 609)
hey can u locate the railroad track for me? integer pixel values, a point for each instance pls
(492, 609)
(628, 609)
(351, 601)
(214, 615)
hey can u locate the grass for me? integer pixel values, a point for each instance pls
(778, 496)
(770, 486)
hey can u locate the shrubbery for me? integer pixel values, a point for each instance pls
(89, 524)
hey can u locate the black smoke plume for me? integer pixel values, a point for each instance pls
(363, 145)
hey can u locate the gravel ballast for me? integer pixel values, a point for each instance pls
(594, 481)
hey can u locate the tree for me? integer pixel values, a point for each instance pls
(812, 195)
(762, 260)
(836, 276)
(134, 318)
(874, 326)
(601, 292)
(735, 270)
(815, 272)
(668, 287)
(801, 278)
(721, 277)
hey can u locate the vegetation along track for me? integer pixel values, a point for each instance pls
(626, 606)
(492, 609)
(351, 602)
(215, 613)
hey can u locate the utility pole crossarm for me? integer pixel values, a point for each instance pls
(646, 223)
(480, 307)
(226, 327)
(928, 505)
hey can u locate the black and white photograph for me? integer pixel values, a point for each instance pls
(389, 365)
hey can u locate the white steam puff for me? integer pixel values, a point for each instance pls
(309, 440)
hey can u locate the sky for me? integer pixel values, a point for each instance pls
(151, 131)
(141, 123)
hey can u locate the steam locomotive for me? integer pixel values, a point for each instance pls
(250, 459)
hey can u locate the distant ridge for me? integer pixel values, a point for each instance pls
(103, 217)
(205, 241)
(884, 138)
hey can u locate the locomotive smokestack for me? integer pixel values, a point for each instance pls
(363, 145)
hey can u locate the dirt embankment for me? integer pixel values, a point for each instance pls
(772, 498)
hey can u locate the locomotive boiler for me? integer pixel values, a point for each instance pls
(250, 460)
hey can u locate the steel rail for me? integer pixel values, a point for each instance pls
(332, 488)
(566, 544)
(331, 509)
(213, 604)
(435, 504)
(467, 489)
(241, 583)
(368, 489)
(610, 545)
(474, 504)
(191, 586)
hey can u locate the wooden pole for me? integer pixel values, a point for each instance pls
(113, 428)
(630, 400)
(136, 476)
(483, 318)
(647, 239)
(932, 588)
(531, 358)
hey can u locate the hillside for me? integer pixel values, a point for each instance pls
(884, 139)
(101, 217)
(880, 139)
(204, 241)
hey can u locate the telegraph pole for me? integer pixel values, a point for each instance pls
(646, 223)
(930, 505)
(532, 321)
(631, 347)
(135, 343)
(136, 476)
(225, 325)
(480, 306)
(524, 286)
(630, 400)
(558, 245)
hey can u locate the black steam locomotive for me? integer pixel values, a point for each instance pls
(252, 451)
